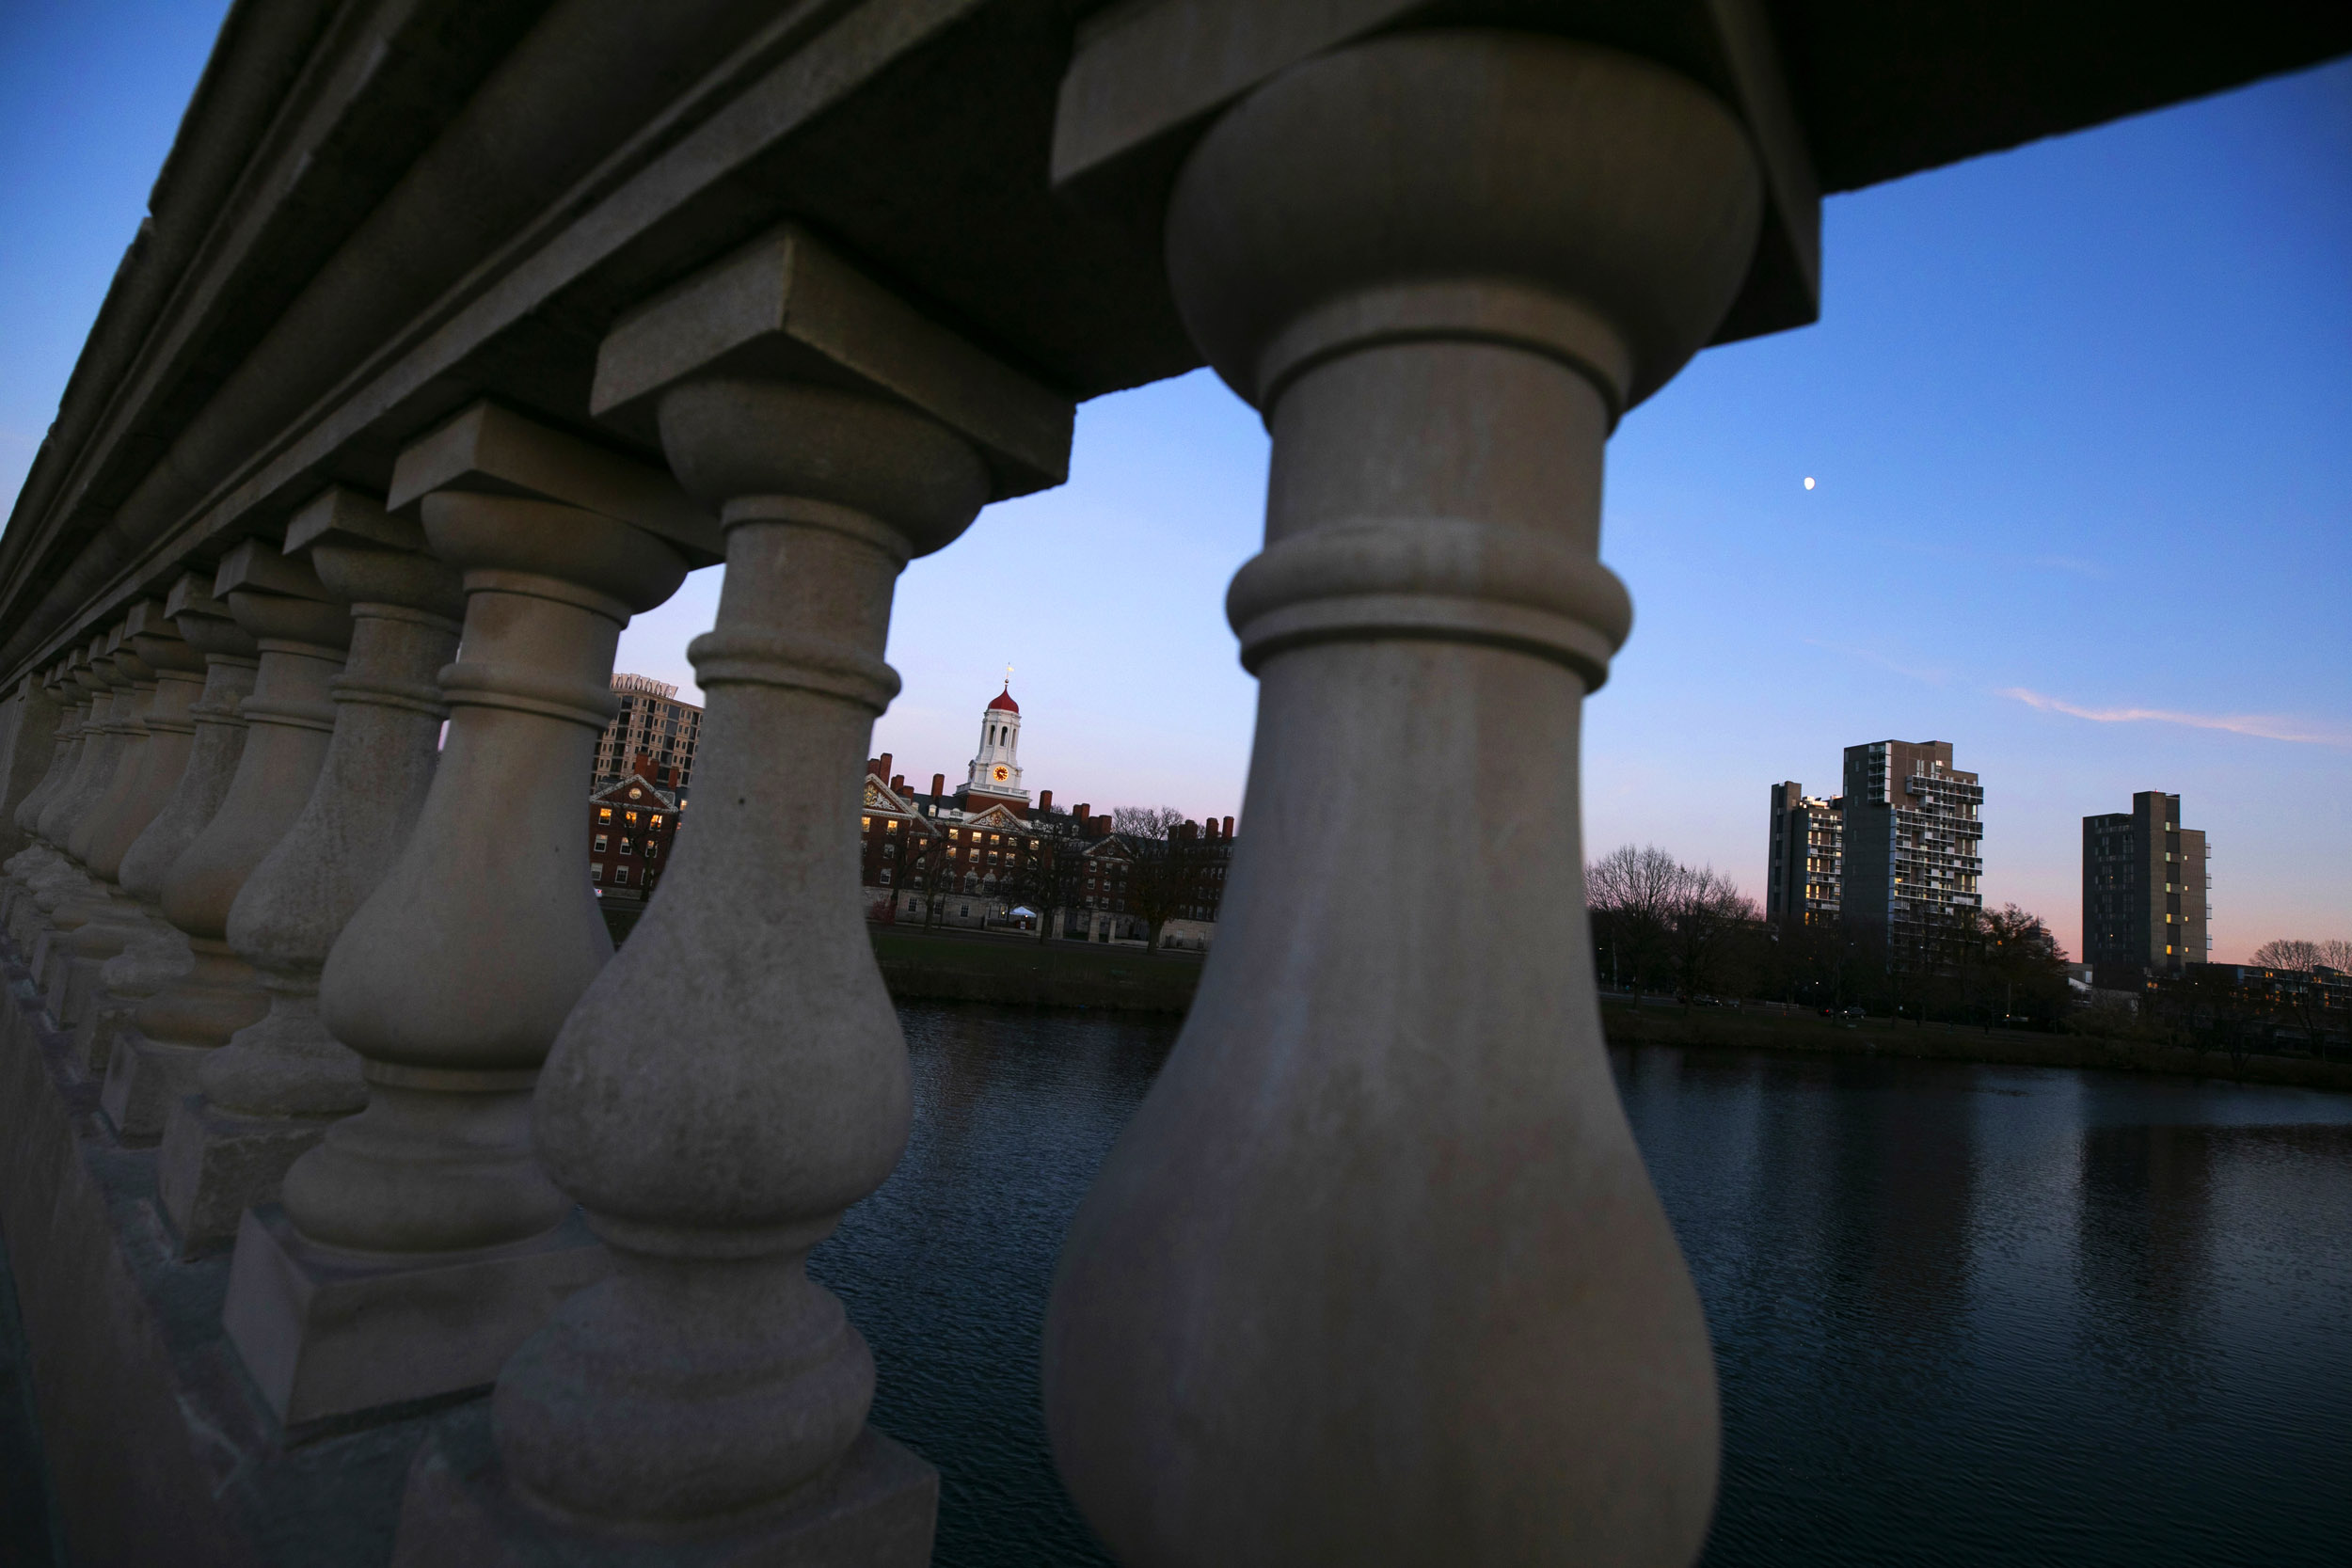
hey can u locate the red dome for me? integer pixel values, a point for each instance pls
(1003, 703)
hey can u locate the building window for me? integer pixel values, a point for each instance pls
(605, 815)
(630, 818)
(657, 820)
(652, 849)
(886, 882)
(596, 873)
(599, 844)
(963, 909)
(620, 875)
(626, 846)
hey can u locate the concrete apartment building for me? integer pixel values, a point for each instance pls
(652, 724)
(1806, 865)
(1913, 832)
(2145, 885)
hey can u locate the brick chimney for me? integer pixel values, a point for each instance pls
(899, 783)
(1044, 800)
(883, 772)
(1229, 827)
(939, 783)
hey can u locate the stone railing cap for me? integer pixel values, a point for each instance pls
(339, 514)
(488, 450)
(788, 306)
(257, 565)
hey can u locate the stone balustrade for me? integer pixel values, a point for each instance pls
(365, 1205)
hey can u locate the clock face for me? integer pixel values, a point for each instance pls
(1001, 775)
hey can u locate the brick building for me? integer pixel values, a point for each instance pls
(632, 824)
(974, 856)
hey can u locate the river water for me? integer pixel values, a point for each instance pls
(1965, 1315)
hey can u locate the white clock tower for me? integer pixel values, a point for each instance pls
(997, 766)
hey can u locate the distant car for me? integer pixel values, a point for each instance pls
(1857, 1012)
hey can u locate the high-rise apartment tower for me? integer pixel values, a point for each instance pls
(2145, 908)
(1808, 862)
(653, 724)
(1913, 830)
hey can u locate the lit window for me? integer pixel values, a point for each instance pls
(891, 826)
(864, 824)
(605, 815)
(630, 818)
(657, 819)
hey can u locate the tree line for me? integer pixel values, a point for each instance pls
(1664, 928)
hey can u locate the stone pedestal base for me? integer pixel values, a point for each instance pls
(144, 1081)
(328, 1333)
(213, 1165)
(100, 1030)
(876, 1510)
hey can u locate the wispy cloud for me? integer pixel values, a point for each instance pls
(2265, 726)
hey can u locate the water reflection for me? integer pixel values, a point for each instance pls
(1962, 1315)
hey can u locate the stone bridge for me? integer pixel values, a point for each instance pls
(364, 1205)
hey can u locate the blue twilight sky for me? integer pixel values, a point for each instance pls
(2080, 419)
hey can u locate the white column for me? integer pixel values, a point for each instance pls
(736, 1078)
(301, 633)
(160, 954)
(452, 978)
(273, 1090)
(1376, 1274)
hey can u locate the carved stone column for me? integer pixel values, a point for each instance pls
(709, 1385)
(68, 885)
(420, 1242)
(160, 955)
(271, 1092)
(70, 705)
(1376, 1274)
(159, 754)
(301, 633)
(32, 756)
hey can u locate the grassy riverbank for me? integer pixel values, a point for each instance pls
(954, 966)
(1746, 1030)
(958, 966)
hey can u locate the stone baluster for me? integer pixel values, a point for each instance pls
(159, 754)
(63, 700)
(40, 859)
(160, 955)
(301, 633)
(709, 1381)
(32, 756)
(271, 1092)
(68, 883)
(420, 1242)
(1376, 1274)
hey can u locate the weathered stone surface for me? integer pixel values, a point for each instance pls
(326, 1333)
(1376, 1274)
(874, 1508)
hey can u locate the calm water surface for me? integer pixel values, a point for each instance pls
(1962, 1315)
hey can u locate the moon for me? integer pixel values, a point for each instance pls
(1808, 482)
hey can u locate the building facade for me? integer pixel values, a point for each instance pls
(1912, 842)
(632, 825)
(1806, 865)
(985, 855)
(652, 724)
(2145, 891)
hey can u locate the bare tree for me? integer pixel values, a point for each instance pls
(2293, 953)
(1709, 919)
(2336, 953)
(1163, 866)
(1631, 894)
